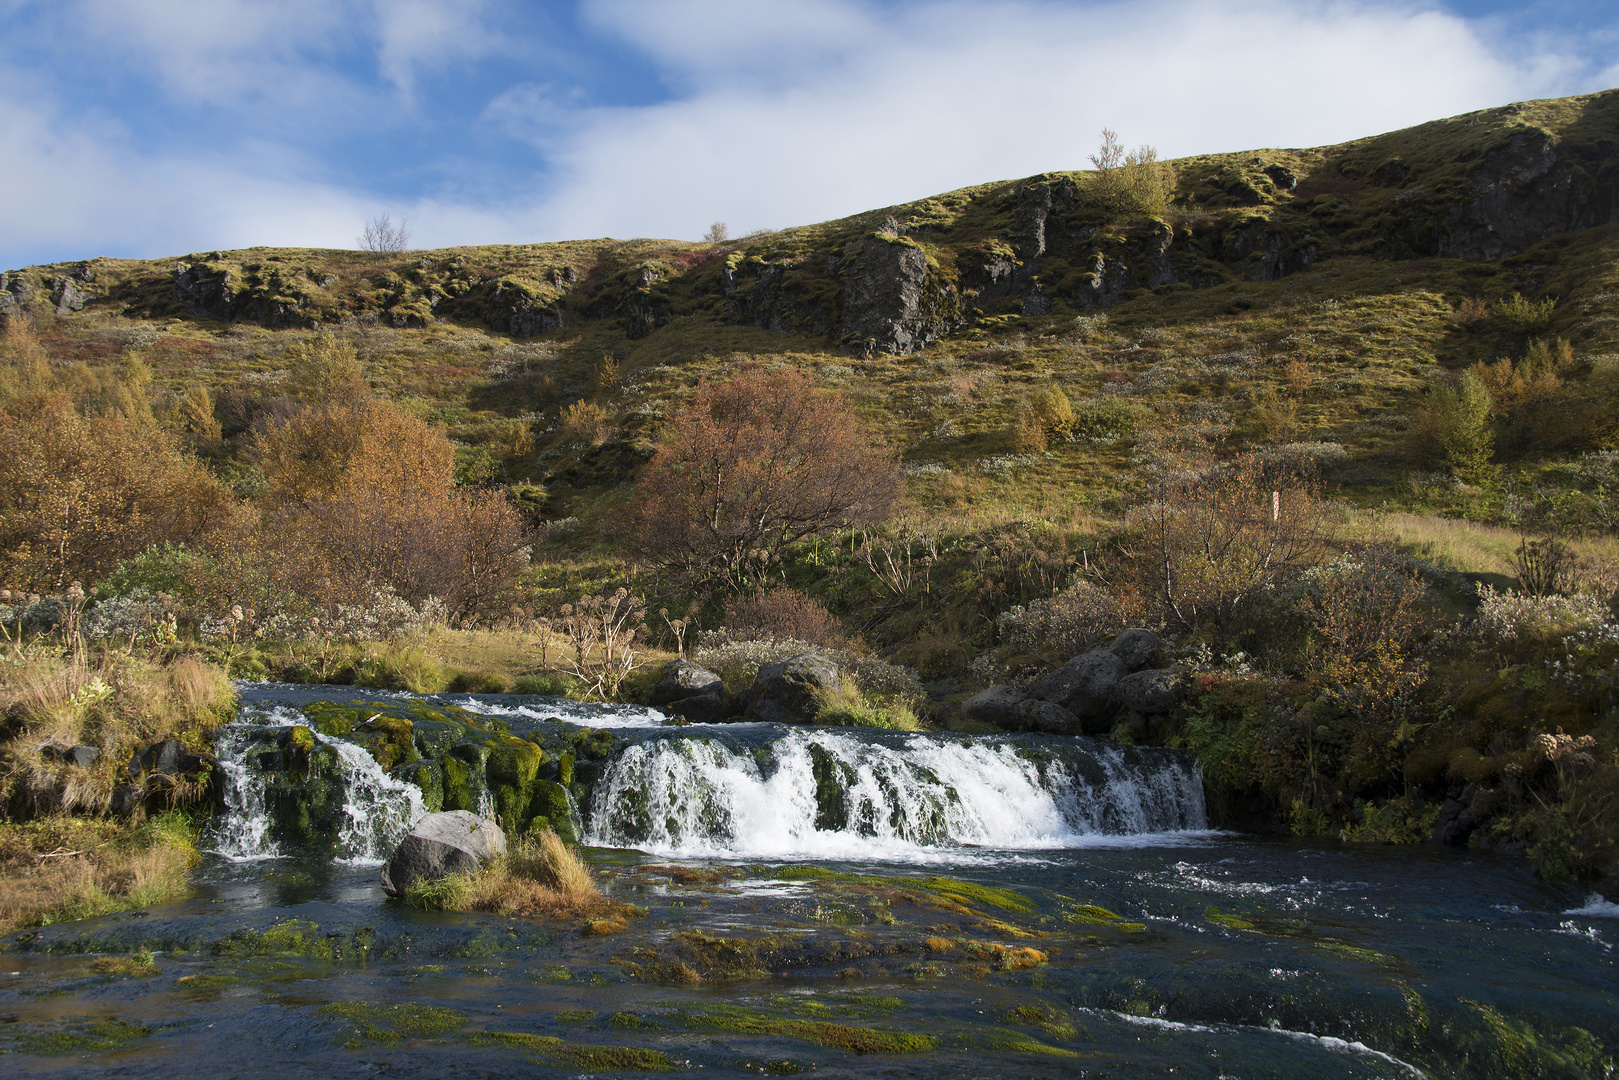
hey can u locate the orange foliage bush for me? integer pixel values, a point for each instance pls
(752, 465)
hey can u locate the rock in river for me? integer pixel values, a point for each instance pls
(455, 842)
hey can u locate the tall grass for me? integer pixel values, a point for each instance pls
(538, 876)
(138, 868)
(1467, 546)
(115, 703)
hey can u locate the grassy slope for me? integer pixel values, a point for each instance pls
(1371, 330)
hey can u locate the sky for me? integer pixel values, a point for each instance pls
(149, 128)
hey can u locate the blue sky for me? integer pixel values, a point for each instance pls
(146, 128)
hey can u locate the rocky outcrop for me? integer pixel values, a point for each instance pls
(1151, 693)
(15, 294)
(456, 842)
(1525, 189)
(893, 301)
(790, 691)
(684, 679)
(82, 756)
(1087, 687)
(996, 705)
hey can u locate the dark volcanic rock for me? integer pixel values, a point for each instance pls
(996, 705)
(891, 303)
(790, 691)
(684, 679)
(1154, 691)
(1087, 686)
(1032, 714)
(456, 842)
(1135, 648)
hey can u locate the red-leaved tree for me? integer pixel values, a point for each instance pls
(753, 465)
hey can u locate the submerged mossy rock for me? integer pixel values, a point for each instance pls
(449, 843)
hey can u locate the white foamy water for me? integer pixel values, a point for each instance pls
(584, 714)
(1596, 906)
(378, 810)
(922, 801)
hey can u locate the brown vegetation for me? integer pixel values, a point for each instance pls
(753, 465)
(539, 877)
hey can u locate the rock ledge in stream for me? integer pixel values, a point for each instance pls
(454, 842)
(790, 691)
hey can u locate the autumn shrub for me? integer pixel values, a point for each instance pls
(1064, 625)
(780, 613)
(752, 465)
(1209, 537)
(323, 367)
(587, 423)
(1518, 314)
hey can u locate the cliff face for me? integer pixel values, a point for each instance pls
(1481, 188)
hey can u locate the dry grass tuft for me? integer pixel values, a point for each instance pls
(148, 866)
(539, 876)
(115, 704)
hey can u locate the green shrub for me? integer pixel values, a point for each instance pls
(1523, 316)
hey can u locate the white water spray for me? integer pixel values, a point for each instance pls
(824, 794)
(377, 811)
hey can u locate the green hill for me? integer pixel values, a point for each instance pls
(1037, 350)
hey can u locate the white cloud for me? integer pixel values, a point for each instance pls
(783, 113)
(431, 34)
(946, 94)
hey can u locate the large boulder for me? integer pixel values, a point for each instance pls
(1087, 686)
(683, 679)
(1135, 648)
(996, 705)
(1154, 691)
(456, 842)
(790, 691)
(1032, 714)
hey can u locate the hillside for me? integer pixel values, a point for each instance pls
(1414, 336)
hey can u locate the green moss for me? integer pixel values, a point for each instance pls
(1227, 920)
(949, 893)
(1093, 915)
(576, 1055)
(296, 936)
(1013, 1042)
(372, 1024)
(854, 1040)
(82, 1038)
(576, 1017)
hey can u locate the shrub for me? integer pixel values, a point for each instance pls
(1052, 410)
(587, 423)
(1523, 316)
(1545, 566)
(1454, 426)
(1107, 420)
(1133, 181)
(781, 613)
(1066, 624)
(753, 465)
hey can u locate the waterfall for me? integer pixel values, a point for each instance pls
(376, 810)
(824, 793)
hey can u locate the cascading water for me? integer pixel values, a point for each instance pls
(376, 810)
(837, 794)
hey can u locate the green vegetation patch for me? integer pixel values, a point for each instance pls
(371, 1024)
(951, 894)
(576, 1055)
(298, 936)
(1014, 1042)
(854, 1040)
(1094, 915)
(80, 1038)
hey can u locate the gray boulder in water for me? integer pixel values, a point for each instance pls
(455, 842)
(790, 691)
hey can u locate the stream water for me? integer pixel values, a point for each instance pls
(847, 902)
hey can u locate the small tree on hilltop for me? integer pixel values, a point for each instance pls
(753, 465)
(382, 237)
(717, 233)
